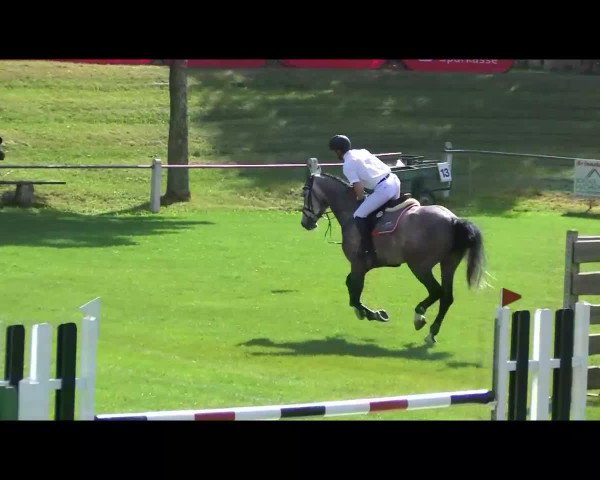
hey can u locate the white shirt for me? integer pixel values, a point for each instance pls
(362, 166)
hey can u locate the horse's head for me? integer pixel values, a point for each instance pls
(1, 150)
(315, 203)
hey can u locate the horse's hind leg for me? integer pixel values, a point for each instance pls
(434, 290)
(448, 267)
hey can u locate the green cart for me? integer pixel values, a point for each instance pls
(429, 181)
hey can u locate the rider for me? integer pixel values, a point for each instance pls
(365, 170)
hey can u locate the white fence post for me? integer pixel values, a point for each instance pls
(90, 328)
(542, 355)
(580, 360)
(34, 391)
(448, 155)
(155, 185)
(500, 367)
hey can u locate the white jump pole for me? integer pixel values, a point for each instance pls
(90, 330)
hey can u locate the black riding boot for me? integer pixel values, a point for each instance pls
(366, 248)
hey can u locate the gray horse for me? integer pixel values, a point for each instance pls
(420, 236)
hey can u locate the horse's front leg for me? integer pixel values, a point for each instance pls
(355, 281)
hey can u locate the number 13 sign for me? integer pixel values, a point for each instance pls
(444, 171)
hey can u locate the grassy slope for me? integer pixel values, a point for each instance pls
(119, 114)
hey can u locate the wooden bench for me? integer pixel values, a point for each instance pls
(23, 195)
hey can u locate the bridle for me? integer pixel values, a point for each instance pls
(309, 211)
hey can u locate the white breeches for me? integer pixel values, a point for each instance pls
(389, 189)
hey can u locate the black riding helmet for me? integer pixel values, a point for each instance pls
(340, 142)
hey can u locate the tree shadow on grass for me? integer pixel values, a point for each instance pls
(283, 115)
(141, 209)
(464, 364)
(588, 214)
(59, 229)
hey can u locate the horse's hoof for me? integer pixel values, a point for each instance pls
(382, 316)
(430, 340)
(359, 313)
(419, 321)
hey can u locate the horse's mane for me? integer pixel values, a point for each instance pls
(342, 181)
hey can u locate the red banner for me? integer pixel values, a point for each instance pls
(321, 63)
(104, 61)
(467, 65)
(200, 63)
(226, 63)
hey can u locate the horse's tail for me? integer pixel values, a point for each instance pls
(468, 237)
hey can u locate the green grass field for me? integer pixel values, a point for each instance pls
(217, 309)
(227, 300)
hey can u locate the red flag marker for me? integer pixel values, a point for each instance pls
(508, 296)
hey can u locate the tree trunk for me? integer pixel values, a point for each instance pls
(178, 183)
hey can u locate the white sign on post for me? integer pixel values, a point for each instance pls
(445, 172)
(587, 178)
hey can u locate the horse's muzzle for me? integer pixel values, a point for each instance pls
(308, 224)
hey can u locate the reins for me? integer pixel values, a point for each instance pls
(329, 229)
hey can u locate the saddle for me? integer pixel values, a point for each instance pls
(385, 219)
